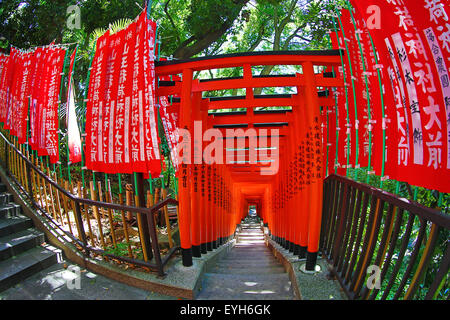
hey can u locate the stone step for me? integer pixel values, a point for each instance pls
(246, 287)
(14, 224)
(249, 255)
(254, 258)
(248, 270)
(16, 243)
(251, 238)
(9, 210)
(17, 268)
(244, 246)
(6, 198)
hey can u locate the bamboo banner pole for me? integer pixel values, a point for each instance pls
(14, 171)
(96, 214)
(58, 198)
(33, 176)
(156, 200)
(110, 217)
(125, 226)
(166, 215)
(139, 220)
(150, 203)
(100, 198)
(44, 185)
(72, 205)
(24, 169)
(19, 163)
(21, 166)
(82, 193)
(52, 199)
(129, 201)
(41, 200)
(66, 208)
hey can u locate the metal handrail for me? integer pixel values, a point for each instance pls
(363, 226)
(149, 212)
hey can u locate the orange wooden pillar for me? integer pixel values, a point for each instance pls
(214, 205)
(196, 135)
(204, 239)
(220, 207)
(303, 198)
(185, 181)
(203, 206)
(315, 218)
(284, 211)
(209, 208)
(296, 201)
(291, 189)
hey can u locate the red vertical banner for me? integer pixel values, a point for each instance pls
(170, 124)
(3, 86)
(137, 137)
(433, 75)
(123, 110)
(51, 120)
(3, 59)
(116, 47)
(415, 42)
(151, 119)
(37, 86)
(121, 123)
(42, 105)
(11, 97)
(94, 105)
(23, 102)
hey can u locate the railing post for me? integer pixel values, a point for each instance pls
(6, 156)
(155, 245)
(80, 226)
(30, 184)
(139, 185)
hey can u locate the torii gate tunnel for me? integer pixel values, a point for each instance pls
(276, 162)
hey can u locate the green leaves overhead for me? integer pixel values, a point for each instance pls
(186, 28)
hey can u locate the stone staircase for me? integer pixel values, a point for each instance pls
(22, 249)
(248, 272)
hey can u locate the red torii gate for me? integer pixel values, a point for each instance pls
(214, 197)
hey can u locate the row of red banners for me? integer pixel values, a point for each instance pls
(397, 56)
(30, 86)
(121, 119)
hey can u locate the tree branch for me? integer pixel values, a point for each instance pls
(204, 40)
(166, 10)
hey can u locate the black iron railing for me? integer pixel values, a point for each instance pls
(95, 223)
(381, 246)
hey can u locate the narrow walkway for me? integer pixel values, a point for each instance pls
(248, 272)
